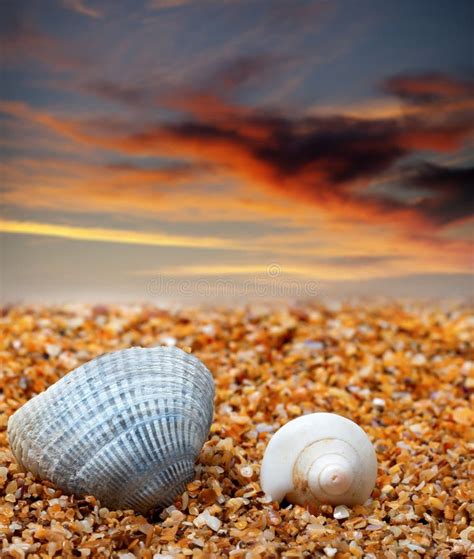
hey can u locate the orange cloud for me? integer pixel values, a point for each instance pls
(328, 161)
(178, 192)
(428, 87)
(340, 267)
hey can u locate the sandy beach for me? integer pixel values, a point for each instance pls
(401, 371)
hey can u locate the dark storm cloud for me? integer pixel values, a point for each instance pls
(337, 149)
(343, 149)
(449, 191)
(330, 160)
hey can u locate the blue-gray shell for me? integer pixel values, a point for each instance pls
(126, 427)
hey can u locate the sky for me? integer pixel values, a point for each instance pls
(232, 148)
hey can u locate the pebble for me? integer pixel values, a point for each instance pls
(341, 512)
(209, 330)
(313, 345)
(464, 416)
(205, 518)
(53, 350)
(168, 341)
(418, 360)
(246, 471)
(378, 403)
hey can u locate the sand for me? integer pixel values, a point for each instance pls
(403, 372)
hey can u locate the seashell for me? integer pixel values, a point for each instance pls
(126, 427)
(319, 458)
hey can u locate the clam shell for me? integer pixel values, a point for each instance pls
(126, 427)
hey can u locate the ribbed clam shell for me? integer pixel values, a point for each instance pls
(126, 427)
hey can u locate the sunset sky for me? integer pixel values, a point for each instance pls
(147, 146)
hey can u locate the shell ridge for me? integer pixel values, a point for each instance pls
(174, 476)
(166, 472)
(103, 430)
(121, 465)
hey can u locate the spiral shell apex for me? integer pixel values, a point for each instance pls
(126, 427)
(320, 458)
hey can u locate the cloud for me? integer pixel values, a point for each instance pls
(342, 268)
(241, 70)
(135, 96)
(449, 194)
(311, 268)
(169, 174)
(229, 76)
(186, 191)
(80, 7)
(330, 266)
(168, 4)
(428, 88)
(329, 161)
(332, 162)
(111, 235)
(360, 261)
(21, 39)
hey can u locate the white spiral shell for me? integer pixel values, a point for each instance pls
(319, 458)
(126, 427)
